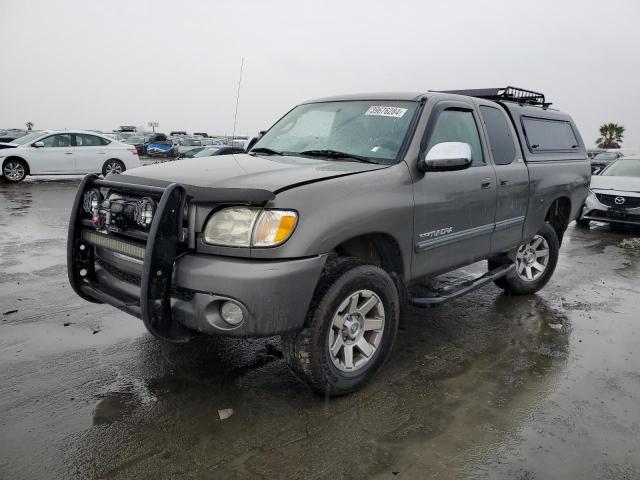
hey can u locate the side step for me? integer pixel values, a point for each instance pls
(464, 287)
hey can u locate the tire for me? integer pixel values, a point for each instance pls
(516, 281)
(113, 165)
(308, 352)
(14, 170)
(582, 223)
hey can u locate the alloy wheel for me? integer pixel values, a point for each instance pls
(113, 167)
(356, 331)
(532, 259)
(14, 171)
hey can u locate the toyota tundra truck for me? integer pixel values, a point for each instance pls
(318, 232)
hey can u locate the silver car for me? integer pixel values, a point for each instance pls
(614, 194)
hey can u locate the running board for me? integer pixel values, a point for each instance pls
(464, 287)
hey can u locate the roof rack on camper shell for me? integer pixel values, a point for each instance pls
(508, 94)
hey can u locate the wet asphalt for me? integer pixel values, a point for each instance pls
(485, 387)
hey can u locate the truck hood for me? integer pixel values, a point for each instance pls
(623, 184)
(243, 171)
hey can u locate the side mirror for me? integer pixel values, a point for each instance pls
(447, 156)
(38, 144)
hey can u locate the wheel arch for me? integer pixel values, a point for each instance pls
(559, 215)
(17, 157)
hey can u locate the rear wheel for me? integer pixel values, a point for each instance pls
(351, 327)
(535, 262)
(113, 165)
(14, 170)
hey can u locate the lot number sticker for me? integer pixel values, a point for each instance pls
(381, 111)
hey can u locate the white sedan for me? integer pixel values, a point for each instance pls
(64, 152)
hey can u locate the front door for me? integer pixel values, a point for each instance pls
(454, 211)
(56, 156)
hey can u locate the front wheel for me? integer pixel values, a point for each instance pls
(14, 170)
(350, 329)
(535, 262)
(113, 166)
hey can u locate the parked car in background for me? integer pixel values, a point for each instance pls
(603, 160)
(123, 136)
(10, 134)
(64, 152)
(164, 149)
(141, 142)
(614, 194)
(188, 143)
(201, 134)
(212, 142)
(177, 133)
(138, 143)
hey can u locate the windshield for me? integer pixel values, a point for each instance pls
(623, 168)
(371, 129)
(191, 142)
(28, 138)
(134, 140)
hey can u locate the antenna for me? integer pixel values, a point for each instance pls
(235, 117)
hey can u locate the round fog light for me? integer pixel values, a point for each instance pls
(231, 313)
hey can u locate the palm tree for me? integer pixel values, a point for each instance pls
(610, 136)
(29, 125)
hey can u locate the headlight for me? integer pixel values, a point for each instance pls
(250, 227)
(92, 198)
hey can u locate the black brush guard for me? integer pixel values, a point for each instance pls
(154, 305)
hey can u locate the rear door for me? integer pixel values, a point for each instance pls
(454, 211)
(56, 156)
(90, 153)
(512, 176)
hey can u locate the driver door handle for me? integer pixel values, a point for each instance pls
(68, 153)
(486, 183)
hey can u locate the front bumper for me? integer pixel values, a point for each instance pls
(594, 210)
(274, 295)
(174, 290)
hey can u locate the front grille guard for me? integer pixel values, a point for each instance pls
(154, 305)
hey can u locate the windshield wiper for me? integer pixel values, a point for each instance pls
(335, 154)
(268, 151)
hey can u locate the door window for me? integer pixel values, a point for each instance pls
(500, 137)
(59, 140)
(458, 126)
(84, 140)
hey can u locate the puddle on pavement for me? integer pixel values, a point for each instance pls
(453, 378)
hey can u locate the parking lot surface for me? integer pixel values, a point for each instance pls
(487, 386)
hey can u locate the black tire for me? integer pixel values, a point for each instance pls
(18, 167)
(112, 166)
(308, 351)
(582, 223)
(513, 284)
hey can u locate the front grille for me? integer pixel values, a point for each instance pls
(610, 201)
(179, 293)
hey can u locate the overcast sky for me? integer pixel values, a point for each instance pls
(97, 65)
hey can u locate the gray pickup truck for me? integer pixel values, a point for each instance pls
(319, 231)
